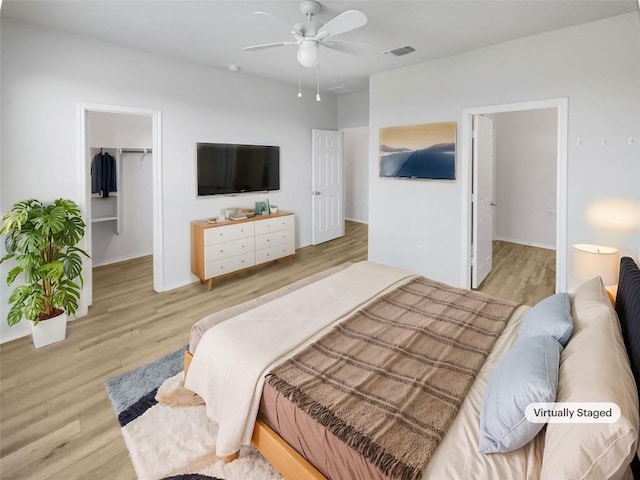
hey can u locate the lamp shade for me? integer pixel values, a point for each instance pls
(595, 260)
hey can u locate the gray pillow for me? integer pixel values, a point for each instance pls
(527, 373)
(551, 316)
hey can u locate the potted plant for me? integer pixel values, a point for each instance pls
(42, 239)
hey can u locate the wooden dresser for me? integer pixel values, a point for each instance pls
(219, 249)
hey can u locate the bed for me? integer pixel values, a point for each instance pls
(593, 367)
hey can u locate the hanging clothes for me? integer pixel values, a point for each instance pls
(103, 174)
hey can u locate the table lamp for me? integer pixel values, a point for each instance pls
(596, 260)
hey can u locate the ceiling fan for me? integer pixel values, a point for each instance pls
(309, 35)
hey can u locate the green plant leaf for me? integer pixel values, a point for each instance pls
(51, 220)
(13, 273)
(70, 207)
(73, 231)
(67, 296)
(20, 294)
(52, 271)
(34, 305)
(12, 220)
(7, 257)
(15, 314)
(29, 241)
(30, 265)
(72, 264)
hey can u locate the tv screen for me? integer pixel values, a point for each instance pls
(229, 168)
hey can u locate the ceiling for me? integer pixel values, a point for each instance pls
(213, 32)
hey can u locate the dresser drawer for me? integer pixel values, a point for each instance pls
(218, 251)
(267, 254)
(275, 238)
(228, 232)
(227, 265)
(285, 222)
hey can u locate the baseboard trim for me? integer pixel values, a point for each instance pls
(522, 242)
(357, 221)
(15, 336)
(122, 259)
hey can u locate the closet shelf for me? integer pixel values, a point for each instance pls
(103, 219)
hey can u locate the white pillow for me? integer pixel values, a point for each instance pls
(594, 367)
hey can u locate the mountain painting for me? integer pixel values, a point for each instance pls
(419, 151)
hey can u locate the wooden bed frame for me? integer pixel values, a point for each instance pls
(292, 465)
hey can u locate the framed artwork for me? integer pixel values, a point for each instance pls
(262, 208)
(419, 151)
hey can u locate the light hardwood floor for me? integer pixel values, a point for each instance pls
(521, 273)
(56, 421)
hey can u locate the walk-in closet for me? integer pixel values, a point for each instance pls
(120, 163)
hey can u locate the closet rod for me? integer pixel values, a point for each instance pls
(136, 150)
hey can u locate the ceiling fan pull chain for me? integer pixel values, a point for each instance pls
(318, 85)
(299, 84)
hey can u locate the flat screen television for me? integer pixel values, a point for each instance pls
(225, 168)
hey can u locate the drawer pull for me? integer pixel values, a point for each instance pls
(221, 251)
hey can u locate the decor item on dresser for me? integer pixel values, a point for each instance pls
(419, 151)
(42, 239)
(262, 208)
(220, 249)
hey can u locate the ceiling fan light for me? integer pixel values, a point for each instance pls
(308, 54)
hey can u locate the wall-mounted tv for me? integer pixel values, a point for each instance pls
(225, 168)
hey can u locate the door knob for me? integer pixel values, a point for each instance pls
(316, 192)
(494, 204)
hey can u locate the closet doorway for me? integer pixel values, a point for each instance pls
(120, 168)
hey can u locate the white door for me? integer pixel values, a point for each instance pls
(328, 210)
(483, 160)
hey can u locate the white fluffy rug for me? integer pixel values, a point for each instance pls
(174, 438)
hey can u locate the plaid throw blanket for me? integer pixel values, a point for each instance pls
(389, 380)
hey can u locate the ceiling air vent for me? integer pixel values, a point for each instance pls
(398, 52)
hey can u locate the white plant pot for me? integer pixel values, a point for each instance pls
(49, 331)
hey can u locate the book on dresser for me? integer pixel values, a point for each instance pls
(220, 249)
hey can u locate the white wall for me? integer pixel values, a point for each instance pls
(355, 143)
(135, 190)
(45, 76)
(525, 177)
(353, 110)
(596, 65)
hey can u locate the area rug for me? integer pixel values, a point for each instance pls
(174, 442)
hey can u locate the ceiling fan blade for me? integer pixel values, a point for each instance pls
(354, 48)
(268, 45)
(345, 22)
(277, 22)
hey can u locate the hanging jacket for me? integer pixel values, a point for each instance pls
(103, 174)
